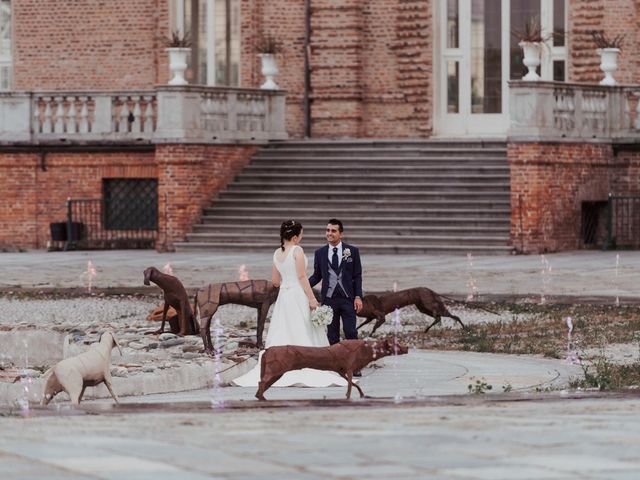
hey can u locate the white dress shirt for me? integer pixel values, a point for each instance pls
(331, 247)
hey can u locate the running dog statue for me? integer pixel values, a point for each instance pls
(344, 358)
(259, 294)
(426, 301)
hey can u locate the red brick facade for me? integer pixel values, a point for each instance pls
(37, 185)
(89, 44)
(187, 176)
(549, 182)
(371, 75)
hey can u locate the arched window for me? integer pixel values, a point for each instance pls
(214, 29)
(5, 45)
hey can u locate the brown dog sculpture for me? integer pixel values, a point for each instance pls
(258, 294)
(174, 296)
(426, 301)
(343, 358)
(88, 369)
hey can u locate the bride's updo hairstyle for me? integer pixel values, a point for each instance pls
(288, 230)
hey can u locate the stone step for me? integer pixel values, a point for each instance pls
(240, 201)
(366, 248)
(271, 221)
(379, 159)
(291, 168)
(383, 213)
(373, 177)
(399, 196)
(333, 186)
(398, 144)
(374, 152)
(481, 233)
(367, 193)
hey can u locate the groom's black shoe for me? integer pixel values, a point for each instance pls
(357, 373)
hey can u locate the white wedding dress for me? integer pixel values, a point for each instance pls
(291, 325)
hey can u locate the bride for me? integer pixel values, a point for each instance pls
(291, 318)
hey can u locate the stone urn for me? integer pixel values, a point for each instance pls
(608, 64)
(532, 53)
(178, 64)
(269, 70)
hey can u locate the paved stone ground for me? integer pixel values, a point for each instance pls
(588, 273)
(419, 423)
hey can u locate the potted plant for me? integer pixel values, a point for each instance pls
(178, 46)
(609, 49)
(532, 39)
(267, 47)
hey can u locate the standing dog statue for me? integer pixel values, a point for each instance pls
(343, 358)
(258, 294)
(426, 301)
(88, 369)
(174, 296)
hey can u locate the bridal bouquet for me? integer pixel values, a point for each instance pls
(322, 316)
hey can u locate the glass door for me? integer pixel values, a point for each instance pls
(476, 55)
(473, 67)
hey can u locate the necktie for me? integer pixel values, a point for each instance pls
(334, 259)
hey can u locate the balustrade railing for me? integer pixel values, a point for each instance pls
(166, 114)
(554, 110)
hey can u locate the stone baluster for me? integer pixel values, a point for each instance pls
(123, 124)
(71, 115)
(148, 114)
(59, 122)
(47, 126)
(136, 126)
(37, 123)
(83, 126)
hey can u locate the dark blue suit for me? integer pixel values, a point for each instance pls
(342, 305)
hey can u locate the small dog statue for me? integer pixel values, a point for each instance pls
(88, 369)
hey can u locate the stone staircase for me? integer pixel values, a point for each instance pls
(392, 196)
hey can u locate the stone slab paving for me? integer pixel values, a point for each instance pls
(435, 429)
(586, 439)
(582, 273)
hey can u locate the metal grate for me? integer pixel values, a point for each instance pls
(126, 216)
(623, 222)
(130, 204)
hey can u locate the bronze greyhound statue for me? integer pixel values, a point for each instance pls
(426, 301)
(343, 358)
(260, 294)
(174, 296)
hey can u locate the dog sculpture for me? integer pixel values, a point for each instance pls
(174, 296)
(426, 301)
(343, 358)
(258, 294)
(88, 369)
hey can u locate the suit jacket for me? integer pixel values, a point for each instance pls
(350, 266)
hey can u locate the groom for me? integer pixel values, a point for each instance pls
(338, 266)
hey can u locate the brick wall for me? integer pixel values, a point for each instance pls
(18, 208)
(549, 182)
(40, 184)
(35, 188)
(89, 44)
(614, 17)
(371, 72)
(188, 175)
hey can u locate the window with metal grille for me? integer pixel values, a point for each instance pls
(130, 203)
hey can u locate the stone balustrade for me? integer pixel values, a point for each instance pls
(548, 111)
(193, 114)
